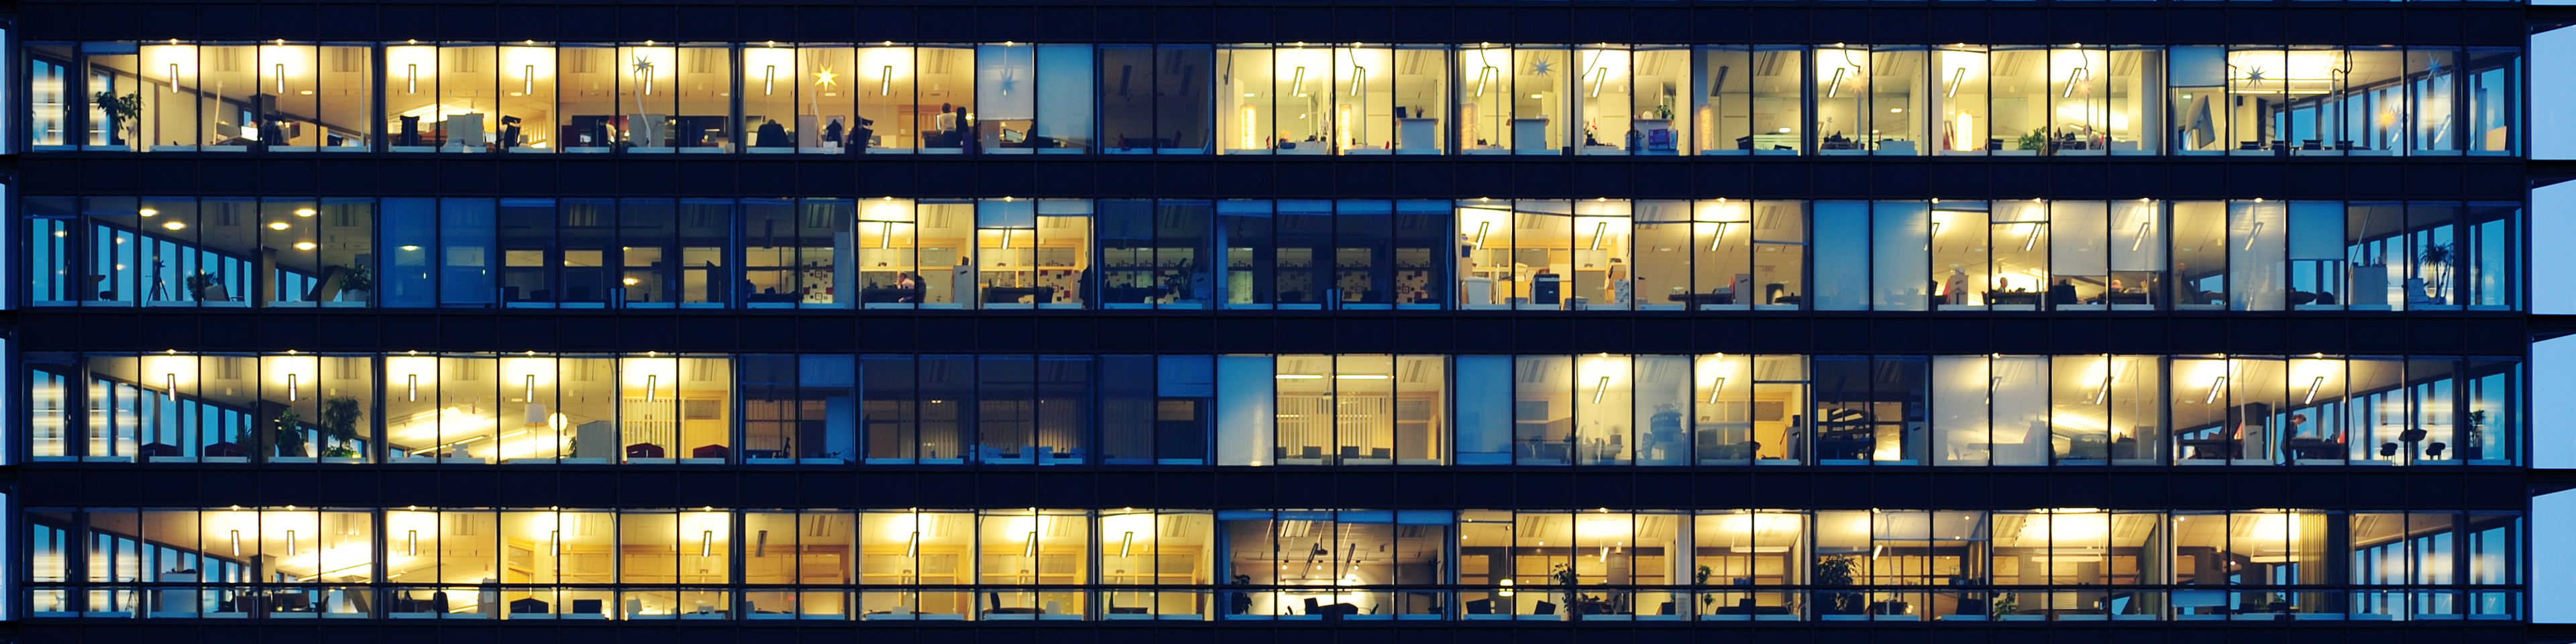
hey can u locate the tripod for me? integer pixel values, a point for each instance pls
(157, 284)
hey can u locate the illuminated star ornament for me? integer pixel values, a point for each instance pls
(643, 65)
(826, 79)
(2254, 77)
(1542, 68)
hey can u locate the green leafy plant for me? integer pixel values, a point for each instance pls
(120, 110)
(1700, 578)
(2007, 603)
(198, 283)
(2477, 434)
(354, 277)
(2036, 139)
(340, 417)
(289, 433)
(1837, 572)
(1565, 580)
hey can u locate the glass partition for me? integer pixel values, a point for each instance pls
(1156, 99)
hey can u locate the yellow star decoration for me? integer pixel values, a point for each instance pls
(826, 78)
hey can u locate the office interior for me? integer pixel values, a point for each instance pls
(1274, 99)
(1035, 564)
(1580, 255)
(1290, 410)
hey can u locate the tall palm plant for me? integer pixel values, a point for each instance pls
(2438, 262)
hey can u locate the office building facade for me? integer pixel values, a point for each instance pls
(1592, 318)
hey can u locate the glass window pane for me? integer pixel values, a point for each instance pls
(1900, 248)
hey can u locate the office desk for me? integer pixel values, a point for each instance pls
(1011, 294)
(2208, 448)
(888, 294)
(2014, 297)
(1702, 298)
(2313, 448)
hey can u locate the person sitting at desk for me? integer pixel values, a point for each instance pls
(904, 281)
(771, 135)
(2105, 297)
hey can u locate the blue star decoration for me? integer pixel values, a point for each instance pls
(643, 65)
(2255, 76)
(1542, 68)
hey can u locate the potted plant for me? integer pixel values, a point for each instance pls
(1565, 580)
(2475, 447)
(2007, 603)
(340, 427)
(2438, 260)
(1836, 572)
(1699, 578)
(289, 434)
(206, 287)
(2032, 143)
(356, 282)
(120, 110)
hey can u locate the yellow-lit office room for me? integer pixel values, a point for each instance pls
(1600, 566)
(1018, 98)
